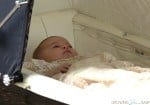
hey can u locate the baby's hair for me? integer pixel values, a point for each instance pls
(36, 53)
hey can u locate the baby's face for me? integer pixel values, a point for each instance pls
(56, 48)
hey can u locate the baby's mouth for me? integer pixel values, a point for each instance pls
(67, 52)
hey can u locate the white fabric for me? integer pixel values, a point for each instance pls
(103, 69)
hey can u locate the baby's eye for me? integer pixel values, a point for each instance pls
(70, 46)
(56, 46)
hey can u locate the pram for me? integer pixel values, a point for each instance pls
(82, 22)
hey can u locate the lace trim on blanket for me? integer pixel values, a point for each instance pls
(41, 66)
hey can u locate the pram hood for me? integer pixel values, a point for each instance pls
(14, 28)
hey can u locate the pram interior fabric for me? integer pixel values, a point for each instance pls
(109, 26)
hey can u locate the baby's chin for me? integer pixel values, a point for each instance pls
(68, 55)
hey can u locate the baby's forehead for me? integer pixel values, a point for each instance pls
(55, 40)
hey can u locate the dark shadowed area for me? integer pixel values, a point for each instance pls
(14, 95)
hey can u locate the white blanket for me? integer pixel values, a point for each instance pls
(103, 71)
(107, 72)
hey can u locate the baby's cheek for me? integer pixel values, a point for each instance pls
(75, 53)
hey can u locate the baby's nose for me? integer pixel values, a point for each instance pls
(65, 47)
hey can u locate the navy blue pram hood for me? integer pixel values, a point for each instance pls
(14, 36)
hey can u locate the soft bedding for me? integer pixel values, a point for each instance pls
(102, 70)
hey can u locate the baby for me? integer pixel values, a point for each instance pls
(52, 49)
